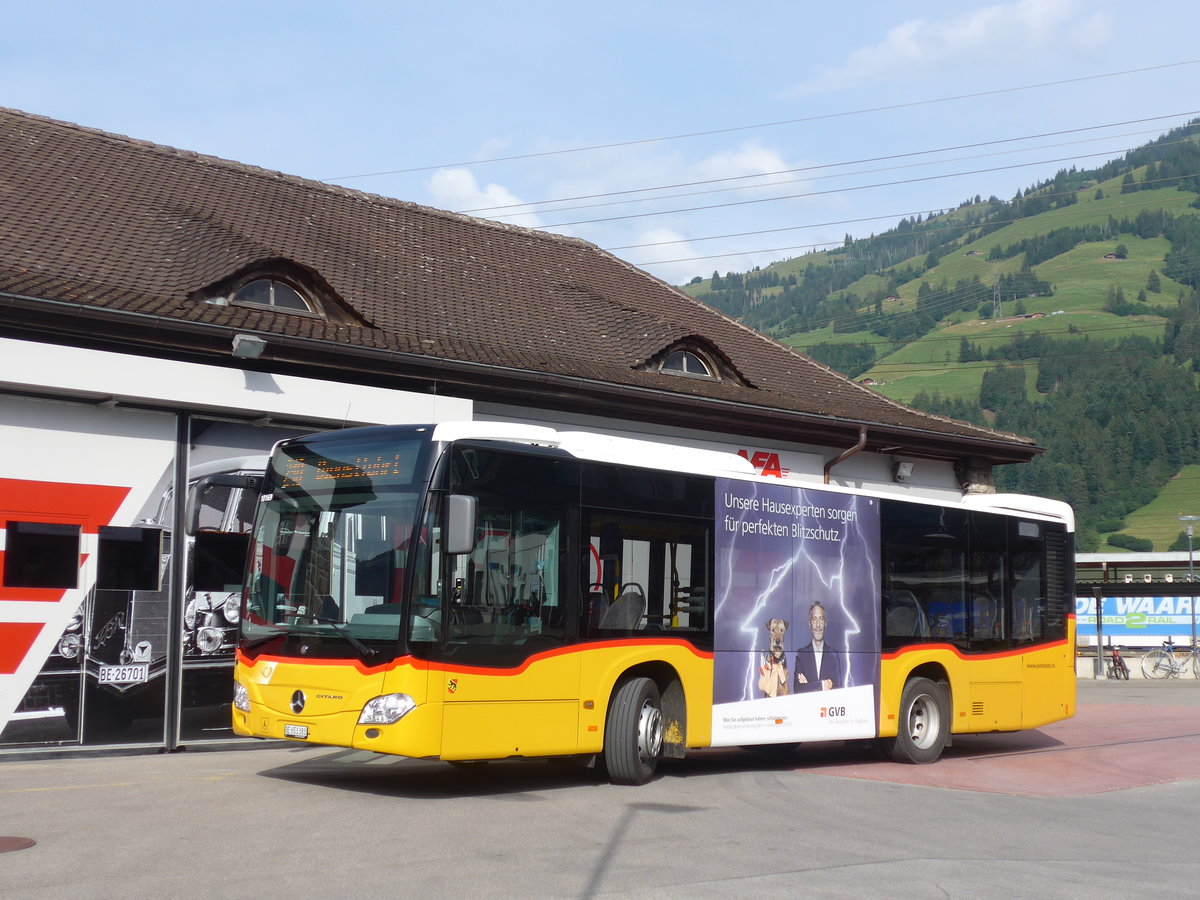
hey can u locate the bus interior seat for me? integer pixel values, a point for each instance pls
(984, 617)
(626, 611)
(465, 615)
(384, 609)
(904, 616)
(597, 607)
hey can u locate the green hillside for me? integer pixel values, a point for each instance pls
(1070, 313)
(1157, 521)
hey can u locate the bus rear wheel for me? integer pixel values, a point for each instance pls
(924, 723)
(633, 736)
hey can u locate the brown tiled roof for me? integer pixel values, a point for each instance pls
(108, 223)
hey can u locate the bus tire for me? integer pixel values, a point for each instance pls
(633, 734)
(924, 723)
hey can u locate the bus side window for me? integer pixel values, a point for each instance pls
(504, 600)
(925, 575)
(990, 582)
(647, 561)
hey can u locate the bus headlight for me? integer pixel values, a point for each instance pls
(241, 697)
(231, 609)
(386, 710)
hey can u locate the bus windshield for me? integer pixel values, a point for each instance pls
(335, 544)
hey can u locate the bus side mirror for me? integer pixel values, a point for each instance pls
(459, 534)
(195, 498)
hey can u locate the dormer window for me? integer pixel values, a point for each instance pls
(279, 286)
(685, 362)
(273, 294)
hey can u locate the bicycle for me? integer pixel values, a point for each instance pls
(1116, 665)
(1170, 662)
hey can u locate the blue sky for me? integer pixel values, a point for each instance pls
(410, 101)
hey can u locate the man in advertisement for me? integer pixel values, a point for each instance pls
(818, 665)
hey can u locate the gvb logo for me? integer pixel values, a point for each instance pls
(766, 463)
(832, 712)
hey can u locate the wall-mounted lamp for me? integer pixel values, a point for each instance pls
(902, 470)
(248, 346)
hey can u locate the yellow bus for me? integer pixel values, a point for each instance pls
(476, 591)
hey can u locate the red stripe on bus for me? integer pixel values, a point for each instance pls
(968, 656)
(15, 640)
(363, 668)
(443, 666)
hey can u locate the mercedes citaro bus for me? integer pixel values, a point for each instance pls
(474, 591)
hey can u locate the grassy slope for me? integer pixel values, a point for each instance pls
(1157, 519)
(1081, 279)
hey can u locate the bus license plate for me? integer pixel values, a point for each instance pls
(296, 731)
(138, 674)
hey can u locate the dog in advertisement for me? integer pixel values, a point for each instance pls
(773, 678)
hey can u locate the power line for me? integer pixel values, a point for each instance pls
(937, 162)
(813, 246)
(898, 215)
(861, 187)
(739, 128)
(814, 168)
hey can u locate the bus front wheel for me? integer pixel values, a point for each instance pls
(924, 723)
(633, 736)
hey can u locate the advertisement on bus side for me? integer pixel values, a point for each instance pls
(797, 614)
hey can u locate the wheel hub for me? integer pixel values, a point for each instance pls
(922, 721)
(650, 731)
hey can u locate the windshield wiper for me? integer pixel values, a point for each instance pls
(341, 629)
(251, 643)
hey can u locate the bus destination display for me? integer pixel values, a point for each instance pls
(301, 467)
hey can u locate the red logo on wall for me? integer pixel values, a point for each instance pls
(767, 463)
(89, 505)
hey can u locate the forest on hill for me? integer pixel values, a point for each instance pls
(1069, 313)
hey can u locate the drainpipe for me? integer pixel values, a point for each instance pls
(846, 454)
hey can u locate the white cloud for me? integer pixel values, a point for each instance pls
(457, 189)
(660, 262)
(991, 33)
(672, 245)
(751, 158)
(609, 218)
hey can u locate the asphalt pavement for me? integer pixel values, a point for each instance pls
(1101, 803)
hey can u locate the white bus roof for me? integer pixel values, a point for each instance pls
(601, 447)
